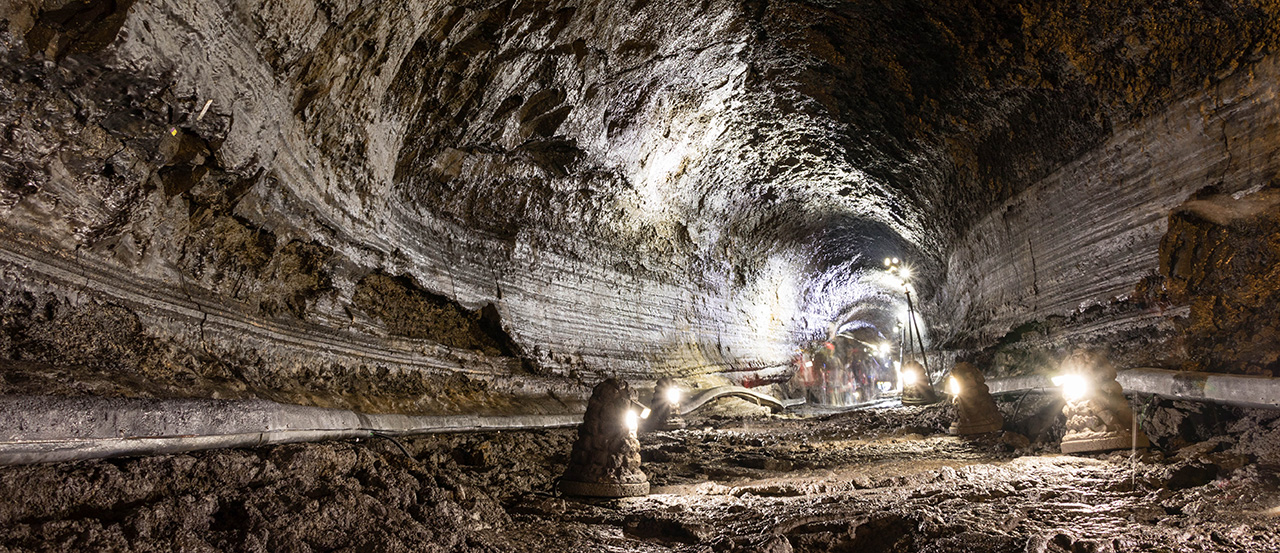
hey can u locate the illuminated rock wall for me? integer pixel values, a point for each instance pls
(442, 206)
(527, 183)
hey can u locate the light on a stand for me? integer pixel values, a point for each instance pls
(909, 378)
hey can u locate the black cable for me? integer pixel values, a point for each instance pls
(1017, 407)
(392, 440)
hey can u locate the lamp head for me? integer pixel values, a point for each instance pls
(910, 377)
(1074, 386)
(673, 395)
(633, 421)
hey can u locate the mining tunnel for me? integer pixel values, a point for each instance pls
(633, 275)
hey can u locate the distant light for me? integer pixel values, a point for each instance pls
(895, 261)
(885, 348)
(953, 386)
(1074, 386)
(906, 273)
(887, 262)
(673, 395)
(633, 420)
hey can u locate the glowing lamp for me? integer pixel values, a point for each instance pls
(916, 386)
(673, 395)
(665, 405)
(910, 378)
(1098, 415)
(645, 414)
(633, 421)
(605, 460)
(888, 262)
(906, 274)
(1074, 387)
(975, 410)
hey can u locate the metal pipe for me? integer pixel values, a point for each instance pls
(55, 429)
(1229, 389)
(46, 429)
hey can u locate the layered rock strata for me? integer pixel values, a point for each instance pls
(1077, 259)
(436, 207)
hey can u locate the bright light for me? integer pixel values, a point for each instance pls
(808, 363)
(884, 348)
(633, 420)
(887, 262)
(953, 386)
(673, 395)
(1074, 386)
(910, 378)
(645, 414)
(906, 273)
(895, 261)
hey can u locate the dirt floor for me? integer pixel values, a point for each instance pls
(875, 480)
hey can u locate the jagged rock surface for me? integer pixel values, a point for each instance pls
(442, 206)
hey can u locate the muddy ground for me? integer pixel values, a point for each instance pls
(878, 480)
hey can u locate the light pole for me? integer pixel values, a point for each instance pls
(912, 339)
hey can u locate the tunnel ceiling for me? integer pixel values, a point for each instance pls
(441, 206)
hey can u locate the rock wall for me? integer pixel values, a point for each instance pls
(449, 206)
(1077, 258)
(1221, 257)
(379, 206)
